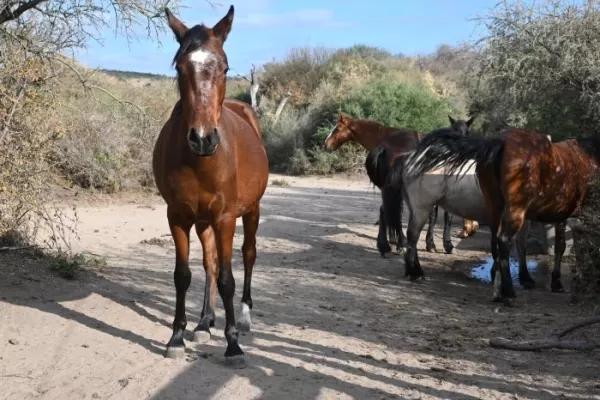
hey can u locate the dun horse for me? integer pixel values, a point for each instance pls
(377, 164)
(523, 177)
(210, 167)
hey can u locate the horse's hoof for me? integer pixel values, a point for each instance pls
(431, 249)
(497, 299)
(201, 336)
(175, 352)
(528, 284)
(236, 362)
(557, 287)
(509, 302)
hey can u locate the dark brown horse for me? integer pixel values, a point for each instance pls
(523, 177)
(378, 162)
(211, 167)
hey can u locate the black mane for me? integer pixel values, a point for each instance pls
(194, 39)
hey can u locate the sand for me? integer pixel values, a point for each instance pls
(331, 319)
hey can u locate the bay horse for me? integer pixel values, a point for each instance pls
(210, 167)
(523, 177)
(377, 164)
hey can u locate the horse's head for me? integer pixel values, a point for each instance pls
(461, 127)
(340, 134)
(202, 67)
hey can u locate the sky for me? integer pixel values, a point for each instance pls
(264, 30)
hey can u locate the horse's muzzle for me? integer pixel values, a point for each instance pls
(204, 146)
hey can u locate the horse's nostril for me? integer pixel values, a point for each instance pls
(193, 136)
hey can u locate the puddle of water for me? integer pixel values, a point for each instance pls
(482, 271)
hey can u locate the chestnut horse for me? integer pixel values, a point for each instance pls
(210, 167)
(523, 177)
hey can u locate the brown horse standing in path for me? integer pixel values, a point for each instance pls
(369, 134)
(523, 177)
(211, 167)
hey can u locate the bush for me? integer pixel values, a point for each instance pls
(295, 142)
(586, 271)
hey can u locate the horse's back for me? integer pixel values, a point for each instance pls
(548, 179)
(252, 165)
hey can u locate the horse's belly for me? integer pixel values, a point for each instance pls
(464, 198)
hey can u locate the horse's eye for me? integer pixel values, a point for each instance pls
(226, 70)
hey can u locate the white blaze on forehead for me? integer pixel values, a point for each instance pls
(201, 57)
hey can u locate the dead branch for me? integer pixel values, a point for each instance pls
(581, 324)
(543, 344)
(284, 100)
(551, 343)
(254, 86)
(14, 248)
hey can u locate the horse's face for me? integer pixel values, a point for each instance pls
(461, 127)
(340, 134)
(201, 67)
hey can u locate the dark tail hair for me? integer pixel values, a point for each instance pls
(378, 172)
(376, 165)
(447, 149)
(393, 197)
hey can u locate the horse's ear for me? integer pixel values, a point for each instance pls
(342, 117)
(470, 121)
(223, 27)
(452, 121)
(178, 27)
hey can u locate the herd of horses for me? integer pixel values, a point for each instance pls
(211, 167)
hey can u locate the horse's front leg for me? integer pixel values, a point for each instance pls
(224, 230)
(524, 277)
(417, 220)
(250, 221)
(560, 246)
(429, 243)
(448, 246)
(210, 261)
(180, 231)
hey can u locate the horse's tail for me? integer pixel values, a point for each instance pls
(451, 151)
(393, 197)
(376, 165)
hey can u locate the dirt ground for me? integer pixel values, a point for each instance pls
(331, 318)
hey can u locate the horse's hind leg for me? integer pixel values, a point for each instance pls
(382, 241)
(512, 222)
(211, 266)
(418, 217)
(560, 246)
(429, 243)
(524, 277)
(250, 221)
(448, 246)
(180, 231)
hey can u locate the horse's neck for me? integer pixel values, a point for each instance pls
(370, 134)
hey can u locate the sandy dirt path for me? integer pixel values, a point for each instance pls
(331, 319)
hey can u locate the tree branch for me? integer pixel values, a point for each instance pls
(8, 15)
